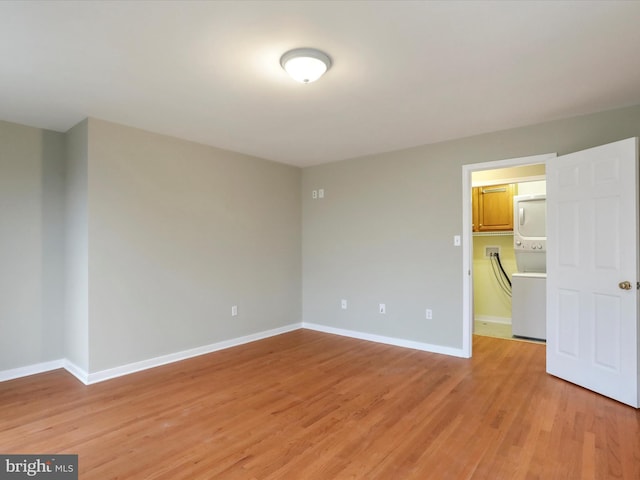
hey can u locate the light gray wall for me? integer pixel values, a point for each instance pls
(162, 236)
(31, 245)
(383, 233)
(178, 233)
(76, 344)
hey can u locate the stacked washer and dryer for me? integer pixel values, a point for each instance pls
(529, 297)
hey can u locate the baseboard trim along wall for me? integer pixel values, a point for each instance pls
(76, 371)
(101, 376)
(398, 342)
(490, 319)
(31, 370)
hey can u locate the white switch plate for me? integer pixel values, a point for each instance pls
(343, 304)
(456, 241)
(383, 308)
(429, 314)
(321, 193)
(234, 311)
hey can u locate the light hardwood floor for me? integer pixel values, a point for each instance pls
(307, 405)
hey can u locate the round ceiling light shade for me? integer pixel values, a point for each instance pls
(305, 65)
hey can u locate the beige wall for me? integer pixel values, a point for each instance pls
(31, 245)
(506, 175)
(384, 232)
(178, 233)
(169, 234)
(142, 249)
(76, 331)
(490, 302)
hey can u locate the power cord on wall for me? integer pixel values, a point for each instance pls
(499, 273)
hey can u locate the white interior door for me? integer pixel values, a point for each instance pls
(592, 249)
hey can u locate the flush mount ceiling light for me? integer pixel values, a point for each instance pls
(305, 65)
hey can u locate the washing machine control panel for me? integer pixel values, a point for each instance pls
(530, 244)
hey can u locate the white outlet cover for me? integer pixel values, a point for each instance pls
(234, 311)
(314, 194)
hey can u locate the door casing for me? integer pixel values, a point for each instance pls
(467, 239)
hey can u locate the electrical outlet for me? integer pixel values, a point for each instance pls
(490, 251)
(429, 314)
(314, 194)
(234, 311)
(343, 304)
(383, 308)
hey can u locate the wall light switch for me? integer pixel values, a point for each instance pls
(456, 241)
(321, 193)
(234, 311)
(343, 304)
(383, 308)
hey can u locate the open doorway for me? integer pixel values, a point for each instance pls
(485, 300)
(508, 302)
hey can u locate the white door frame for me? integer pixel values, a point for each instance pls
(467, 238)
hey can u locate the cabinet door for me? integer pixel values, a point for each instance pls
(495, 208)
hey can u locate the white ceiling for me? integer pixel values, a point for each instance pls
(404, 73)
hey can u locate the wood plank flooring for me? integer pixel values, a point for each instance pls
(308, 405)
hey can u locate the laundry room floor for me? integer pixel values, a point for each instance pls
(497, 330)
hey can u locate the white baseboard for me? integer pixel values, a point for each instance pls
(89, 378)
(76, 371)
(490, 319)
(30, 370)
(110, 373)
(101, 376)
(398, 342)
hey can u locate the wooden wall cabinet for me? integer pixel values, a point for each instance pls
(493, 208)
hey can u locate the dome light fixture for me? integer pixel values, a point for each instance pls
(305, 65)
